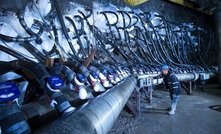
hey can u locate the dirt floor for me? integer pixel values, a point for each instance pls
(199, 113)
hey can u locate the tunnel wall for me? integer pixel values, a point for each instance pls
(217, 17)
(170, 11)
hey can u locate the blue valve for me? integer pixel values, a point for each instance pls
(94, 74)
(115, 71)
(55, 82)
(8, 92)
(110, 72)
(104, 72)
(81, 78)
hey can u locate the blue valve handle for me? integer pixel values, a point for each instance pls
(81, 78)
(94, 74)
(55, 82)
(8, 92)
(110, 72)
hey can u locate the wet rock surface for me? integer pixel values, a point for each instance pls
(198, 113)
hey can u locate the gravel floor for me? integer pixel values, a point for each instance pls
(199, 113)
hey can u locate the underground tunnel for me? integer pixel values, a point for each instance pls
(97, 67)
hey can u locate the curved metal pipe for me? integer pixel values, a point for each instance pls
(98, 116)
(63, 27)
(77, 32)
(25, 39)
(20, 15)
(218, 40)
(98, 36)
(80, 31)
(54, 48)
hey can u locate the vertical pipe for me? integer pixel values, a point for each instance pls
(217, 16)
(190, 86)
(138, 104)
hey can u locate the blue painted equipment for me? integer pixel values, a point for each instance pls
(81, 78)
(8, 92)
(94, 74)
(55, 82)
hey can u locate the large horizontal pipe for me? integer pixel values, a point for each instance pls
(187, 76)
(181, 77)
(195, 76)
(98, 116)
